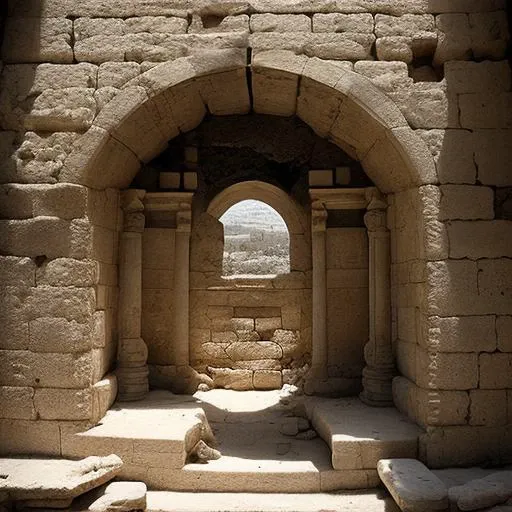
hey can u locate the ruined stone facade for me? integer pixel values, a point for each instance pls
(418, 93)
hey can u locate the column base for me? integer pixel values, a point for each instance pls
(133, 383)
(377, 384)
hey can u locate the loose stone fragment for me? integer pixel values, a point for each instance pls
(413, 486)
(202, 453)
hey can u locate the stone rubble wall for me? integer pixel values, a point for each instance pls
(63, 61)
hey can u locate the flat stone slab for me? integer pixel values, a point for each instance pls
(413, 486)
(359, 435)
(120, 497)
(493, 489)
(366, 501)
(54, 479)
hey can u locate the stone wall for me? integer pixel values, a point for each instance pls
(442, 62)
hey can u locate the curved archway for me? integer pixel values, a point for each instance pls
(174, 97)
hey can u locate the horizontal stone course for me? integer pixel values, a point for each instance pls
(280, 23)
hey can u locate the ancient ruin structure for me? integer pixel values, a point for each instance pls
(380, 131)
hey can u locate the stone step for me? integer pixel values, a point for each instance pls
(157, 432)
(366, 501)
(358, 435)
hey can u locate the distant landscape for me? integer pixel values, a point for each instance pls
(256, 240)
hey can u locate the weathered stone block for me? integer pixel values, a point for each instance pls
(388, 76)
(17, 271)
(68, 272)
(462, 334)
(495, 371)
(464, 202)
(267, 379)
(63, 404)
(17, 403)
(493, 151)
(477, 77)
(337, 22)
(155, 25)
(488, 407)
(59, 335)
(30, 437)
(489, 34)
(494, 284)
(239, 380)
(394, 48)
(504, 333)
(454, 40)
(38, 40)
(406, 25)
(280, 23)
(236, 23)
(60, 110)
(266, 326)
(480, 239)
(116, 74)
(253, 350)
(438, 370)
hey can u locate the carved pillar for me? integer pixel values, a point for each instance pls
(132, 369)
(319, 295)
(181, 285)
(379, 370)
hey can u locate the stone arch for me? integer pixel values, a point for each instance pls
(174, 97)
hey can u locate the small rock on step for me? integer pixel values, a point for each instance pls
(293, 425)
(491, 490)
(307, 435)
(413, 486)
(202, 453)
(121, 497)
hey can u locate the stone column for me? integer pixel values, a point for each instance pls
(319, 292)
(132, 368)
(379, 370)
(181, 285)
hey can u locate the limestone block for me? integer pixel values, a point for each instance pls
(466, 202)
(451, 371)
(70, 109)
(267, 379)
(489, 34)
(266, 326)
(63, 404)
(426, 105)
(493, 151)
(47, 236)
(337, 22)
(347, 248)
(236, 23)
(17, 271)
(253, 350)
(242, 324)
(406, 25)
(275, 82)
(61, 76)
(280, 23)
(461, 334)
(481, 493)
(214, 351)
(38, 159)
(488, 111)
(388, 76)
(239, 380)
(291, 317)
(345, 46)
(30, 437)
(116, 74)
(17, 403)
(495, 371)
(157, 279)
(488, 407)
(413, 486)
(455, 162)
(394, 48)
(259, 364)
(24, 368)
(504, 333)
(57, 479)
(67, 272)
(224, 337)
(494, 283)
(38, 40)
(477, 77)
(120, 496)
(155, 24)
(480, 239)
(454, 39)
(59, 335)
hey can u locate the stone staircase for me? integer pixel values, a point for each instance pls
(154, 436)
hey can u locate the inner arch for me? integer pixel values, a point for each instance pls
(256, 240)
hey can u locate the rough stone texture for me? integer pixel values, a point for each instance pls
(280, 23)
(413, 486)
(120, 496)
(38, 479)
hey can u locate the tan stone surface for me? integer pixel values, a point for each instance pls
(267, 379)
(56, 479)
(17, 403)
(361, 23)
(120, 496)
(280, 23)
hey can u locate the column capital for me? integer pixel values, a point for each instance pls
(318, 216)
(375, 199)
(133, 209)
